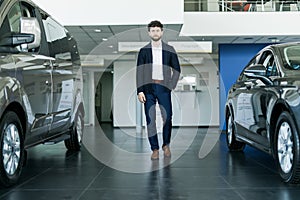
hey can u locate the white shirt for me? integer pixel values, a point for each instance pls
(157, 70)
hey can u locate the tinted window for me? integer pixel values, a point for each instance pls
(252, 62)
(14, 16)
(268, 60)
(12, 21)
(291, 56)
(56, 36)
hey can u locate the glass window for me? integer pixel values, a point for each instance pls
(252, 62)
(54, 31)
(268, 60)
(292, 57)
(12, 21)
(27, 10)
(192, 5)
(14, 16)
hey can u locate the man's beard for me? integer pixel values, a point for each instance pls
(155, 39)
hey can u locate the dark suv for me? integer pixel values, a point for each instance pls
(40, 85)
(263, 107)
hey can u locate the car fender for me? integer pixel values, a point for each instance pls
(78, 105)
(275, 108)
(9, 92)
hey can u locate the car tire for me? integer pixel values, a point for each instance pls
(287, 148)
(232, 143)
(11, 148)
(75, 141)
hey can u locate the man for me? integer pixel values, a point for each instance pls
(158, 72)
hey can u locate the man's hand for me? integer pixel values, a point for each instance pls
(142, 97)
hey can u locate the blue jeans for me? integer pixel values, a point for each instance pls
(163, 98)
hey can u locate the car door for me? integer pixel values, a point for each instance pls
(241, 101)
(260, 94)
(35, 76)
(62, 76)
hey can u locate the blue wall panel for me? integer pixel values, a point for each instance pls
(232, 59)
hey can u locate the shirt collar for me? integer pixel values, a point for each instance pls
(160, 45)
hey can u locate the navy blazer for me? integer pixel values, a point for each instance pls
(171, 68)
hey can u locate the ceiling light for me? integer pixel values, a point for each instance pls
(110, 46)
(274, 39)
(104, 39)
(97, 30)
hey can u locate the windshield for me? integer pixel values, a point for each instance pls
(291, 56)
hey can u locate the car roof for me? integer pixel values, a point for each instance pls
(282, 45)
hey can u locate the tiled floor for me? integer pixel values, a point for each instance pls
(115, 164)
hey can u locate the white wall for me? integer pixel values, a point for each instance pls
(240, 23)
(116, 12)
(124, 93)
(189, 108)
(200, 108)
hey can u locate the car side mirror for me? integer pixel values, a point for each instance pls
(258, 72)
(16, 39)
(9, 42)
(258, 69)
(30, 25)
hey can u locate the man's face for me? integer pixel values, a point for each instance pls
(155, 33)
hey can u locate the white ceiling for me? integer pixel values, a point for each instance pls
(88, 39)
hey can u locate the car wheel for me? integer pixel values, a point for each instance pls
(11, 148)
(232, 143)
(287, 148)
(75, 140)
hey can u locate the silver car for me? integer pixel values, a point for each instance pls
(40, 85)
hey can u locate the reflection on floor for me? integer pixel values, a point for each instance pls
(123, 170)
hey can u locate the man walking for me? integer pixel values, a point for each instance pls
(157, 73)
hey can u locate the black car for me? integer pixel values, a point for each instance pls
(263, 108)
(40, 85)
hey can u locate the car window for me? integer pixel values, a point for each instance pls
(12, 21)
(55, 35)
(292, 57)
(268, 60)
(13, 17)
(252, 62)
(27, 10)
(271, 68)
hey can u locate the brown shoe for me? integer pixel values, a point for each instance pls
(167, 152)
(155, 155)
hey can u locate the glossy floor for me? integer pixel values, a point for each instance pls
(115, 164)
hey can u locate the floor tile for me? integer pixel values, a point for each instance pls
(117, 165)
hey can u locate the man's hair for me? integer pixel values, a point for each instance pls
(155, 23)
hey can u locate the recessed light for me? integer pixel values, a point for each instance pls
(97, 30)
(274, 39)
(104, 39)
(110, 46)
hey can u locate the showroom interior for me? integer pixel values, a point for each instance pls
(214, 40)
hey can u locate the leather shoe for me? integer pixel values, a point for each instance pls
(167, 152)
(155, 155)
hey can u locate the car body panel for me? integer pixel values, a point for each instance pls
(255, 102)
(47, 81)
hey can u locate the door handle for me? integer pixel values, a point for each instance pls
(47, 64)
(248, 85)
(55, 64)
